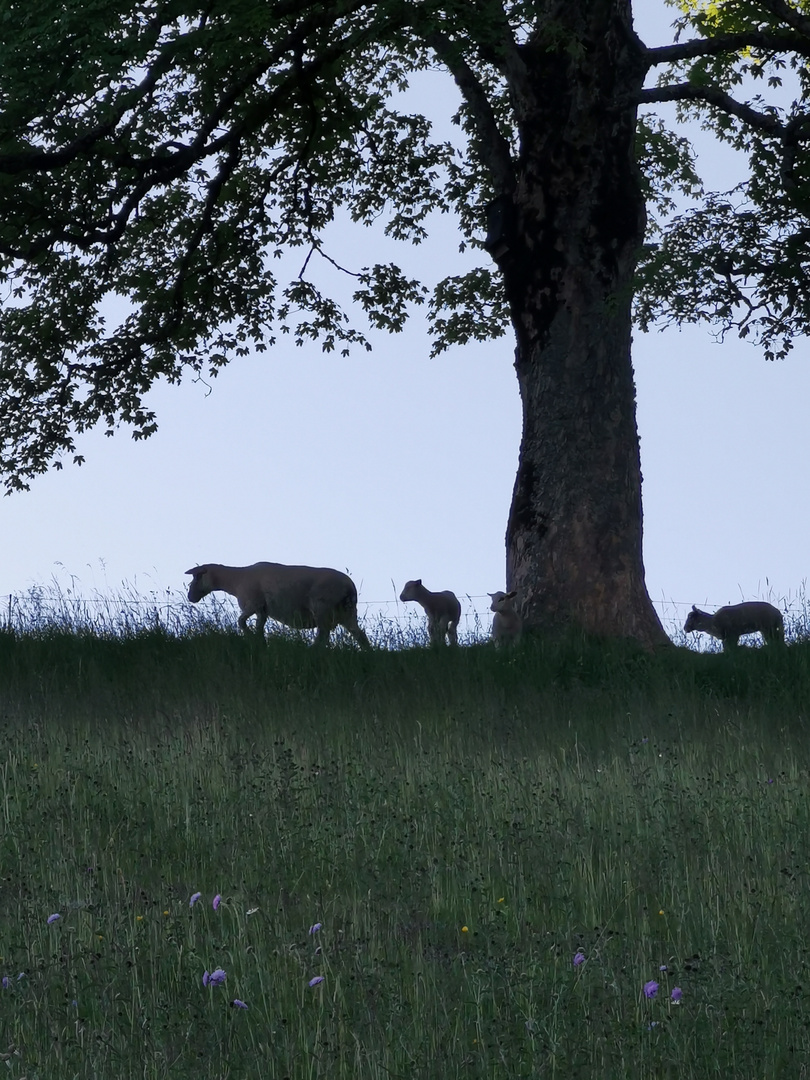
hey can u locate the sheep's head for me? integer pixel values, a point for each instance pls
(410, 590)
(200, 583)
(694, 619)
(501, 601)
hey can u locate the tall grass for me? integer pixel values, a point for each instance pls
(462, 824)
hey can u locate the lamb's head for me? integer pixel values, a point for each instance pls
(502, 601)
(695, 620)
(411, 590)
(201, 584)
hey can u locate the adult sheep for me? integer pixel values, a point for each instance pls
(303, 597)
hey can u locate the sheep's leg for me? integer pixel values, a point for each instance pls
(243, 626)
(353, 626)
(320, 614)
(261, 621)
(452, 633)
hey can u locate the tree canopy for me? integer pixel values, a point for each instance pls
(167, 152)
(739, 258)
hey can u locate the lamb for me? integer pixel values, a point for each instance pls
(443, 611)
(302, 597)
(507, 625)
(729, 623)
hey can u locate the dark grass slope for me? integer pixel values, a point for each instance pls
(461, 823)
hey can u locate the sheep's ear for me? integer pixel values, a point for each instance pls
(511, 594)
(694, 607)
(418, 581)
(195, 570)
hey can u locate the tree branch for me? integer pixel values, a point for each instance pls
(750, 39)
(719, 98)
(794, 18)
(504, 54)
(494, 146)
(224, 173)
(164, 169)
(36, 160)
(792, 138)
(47, 160)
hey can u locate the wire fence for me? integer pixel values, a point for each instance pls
(388, 622)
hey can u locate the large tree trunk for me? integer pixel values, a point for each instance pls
(575, 226)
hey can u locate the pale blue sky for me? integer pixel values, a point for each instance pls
(394, 466)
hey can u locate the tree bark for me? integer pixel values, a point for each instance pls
(575, 227)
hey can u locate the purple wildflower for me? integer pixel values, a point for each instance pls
(579, 958)
(215, 978)
(316, 980)
(5, 982)
(237, 1004)
(216, 902)
(194, 898)
(663, 967)
(650, 988)
(677, 994)
(315, 928)
(54, 917)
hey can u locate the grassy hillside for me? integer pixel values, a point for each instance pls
(461, 824)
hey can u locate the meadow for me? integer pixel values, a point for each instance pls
(570, 860)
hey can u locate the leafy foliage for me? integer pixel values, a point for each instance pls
(185, 148)
(476, 309)
(163, 161)
(668, 168)
(733, 263)
(740, 258)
